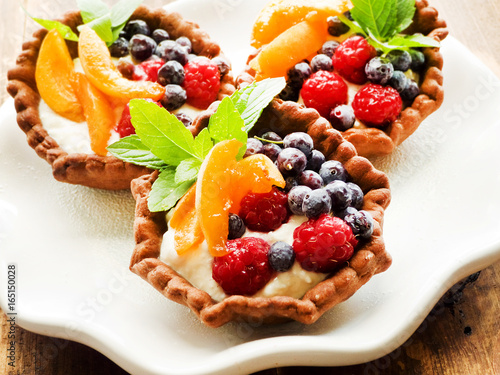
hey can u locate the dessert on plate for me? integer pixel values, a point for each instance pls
(71, 86)
(374, 70)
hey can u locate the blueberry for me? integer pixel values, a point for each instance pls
(185, 42)
(342, 117)
(141, 47)
(417, 60)
(185, 119)
(336, 27)
(134, 27)
(311, 179)
(342, 214)
(291, 161)
(119, 48)
(126, 67)
(254, 146)
(298, 74)
(236, 227)
(290, 93)
(357, 195)
(340, 195)
(316, 202)
(291, 182)
(271, 150)
(348, 15)
(400, 60)
(169, 50)
(379, 70)
(315, 160)
(271, 136)
(174, 97)
(222, 64)
(171, 72)
(281, 256)
(296, 198)
(361, 223)
(332, 170)
(299, 140)
(159, 35)
(321, 62)
(411, 91)
(398, 81)
(329, 48)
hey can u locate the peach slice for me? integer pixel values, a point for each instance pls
(54, 72)
(103, 74)
(185, 221)
(98, 111)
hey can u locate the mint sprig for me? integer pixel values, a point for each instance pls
(162, 142)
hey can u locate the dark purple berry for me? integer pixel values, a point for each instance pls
(417, 60)
(135, 27)
(119, 48)
(311, 179)
(271, 150)
(400, 60)
(169, 50)
(185, 119)
(222, 64)
(329, 48)
(290, 93)
(254, 146)
(348, 15)
(342, 214)
(411, 91)
(336, 27)
(291, 161)
(171, 72)
(315, 160)
(299, 140)
(398, 81)
(236, 227)
(316, 202)
(291, 182)
(342, 117)
(185, 42)
(126, 67)
(379, 70)
(332, 170)
(271, 136)
(321, 62)
(298, 74)
(357, 195)
(281, 256)
(174, 97)
(340, 195)
(296, 198)
(141, 47)
(361, 223)
(159, 35)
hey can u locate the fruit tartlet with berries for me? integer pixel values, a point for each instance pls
(373, 69)
(253, 221)
(73, 82)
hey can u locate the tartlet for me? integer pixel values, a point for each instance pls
(104, 172)
(371, 258)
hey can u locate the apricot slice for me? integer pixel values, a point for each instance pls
(185, 221)
(213, 194)
(103, 74)
(98, 111)
(256, 174)
(53, 74)
(289, 48)
(279, 15)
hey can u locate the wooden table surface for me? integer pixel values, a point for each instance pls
(460, 336)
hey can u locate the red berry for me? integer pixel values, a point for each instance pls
(124, 127)
(245, 270)
(323, 244)
(324, 91)
(264, 212)
(375, 105)
(201, 82)
(351, 57)
(148, 70)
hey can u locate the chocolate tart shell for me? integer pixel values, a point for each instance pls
(369, 258)
(104, 172)
(370, 142)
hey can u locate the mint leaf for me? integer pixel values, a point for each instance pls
(226, 123)
(405, 12)
(203, 144)
(92, 9)
(412, 41)
(165, 192)
(187, 170)
(63, 29)
(375, 16)
(122, 11)
(102, 26)
(131, 150)
(253, 99)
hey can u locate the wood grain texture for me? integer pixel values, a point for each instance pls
(459, 337)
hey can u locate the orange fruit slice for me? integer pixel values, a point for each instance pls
(98, 111)
(185, 221)
(103, 74)
(213, 194)
(53, 74)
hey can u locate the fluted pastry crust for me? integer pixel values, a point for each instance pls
(105, 172)
(369, 259)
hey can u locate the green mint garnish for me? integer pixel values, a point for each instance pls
(382, 21)
(162, 142)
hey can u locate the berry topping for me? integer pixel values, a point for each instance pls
(171, 72)
(147, 70)
(202, 82)
(342, 117)
(316, 159)
(376, 105)
(324, 91)
(417, 60)
(291, 161)
(159, 35)
(379, 70)
(264, 212)
(124, 127)
(340, 194)
(184, 42)
(236, 227)
(281, 256)
(170, 50)
(332, 170)
(411, 91)
(119, 48)
(136, 27)
(351, 57)
(400, 59)
(245, 270)
(299, 140)
(271, 136)
(290, 93)
(271, 150)
(329, 48)
(185, 119)
(311, 179)
(323, 244)
(223, 65)
(298, 74)
(336, 27)
(126, 68)
(141, 47)
(321, 62)
(254, 146)
(356, 195)
(316, 202)
(291, 182)
(296, 198)
(361, 223)
(174, 97)
(398, 81)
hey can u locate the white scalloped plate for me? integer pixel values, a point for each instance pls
(72, 244)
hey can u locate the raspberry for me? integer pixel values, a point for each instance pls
(124, 127)
(147, 70)
(351, 57)
(323, 91)
(377, 106)
(323, 244)
(201, 82)
(245, 270)
(264, 212)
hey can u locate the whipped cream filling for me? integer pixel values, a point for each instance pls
(196, 266)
